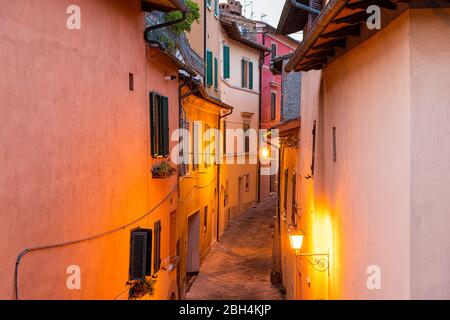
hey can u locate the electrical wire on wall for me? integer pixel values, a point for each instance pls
(72, 242)
(198, 187)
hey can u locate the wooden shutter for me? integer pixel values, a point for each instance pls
(250, 75)
(209, 68)
(274, 50)
(226, 62)
(140, 254)
(246, 138)
(244, 73)
(315, 4)
(157, 249)
(216, 73)
(164, 104)
(273, 105)
(294, 199)
(154, 124)
(286, 177)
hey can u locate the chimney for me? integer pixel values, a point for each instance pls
(231, 7)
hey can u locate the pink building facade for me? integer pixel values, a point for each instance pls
(272, 90)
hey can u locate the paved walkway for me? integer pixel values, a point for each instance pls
(239, 266)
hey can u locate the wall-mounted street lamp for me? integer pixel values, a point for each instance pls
(319, 261)
(265, 153)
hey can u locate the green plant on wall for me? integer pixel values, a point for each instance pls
(192, 16)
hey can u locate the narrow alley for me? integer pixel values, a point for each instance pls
(239, 266)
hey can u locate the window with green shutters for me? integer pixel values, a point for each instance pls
(247, 74)
(157, 249)
(244, 73)
(209, 68)
(216, 7)
(159, 125)
(216, 73)
(226, 62)
(250, 75)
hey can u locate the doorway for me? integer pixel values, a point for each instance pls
(193, 247)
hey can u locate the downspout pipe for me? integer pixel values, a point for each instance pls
(163, 25)
(218, 178)
(323, 20)
(299, 5)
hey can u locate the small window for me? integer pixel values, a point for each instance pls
(131, 82)
(247, 182)
(140, 254)
(216, 74)
(273, 105)
(159, 125)
(246, 128)
(247, 74)
(274, 50)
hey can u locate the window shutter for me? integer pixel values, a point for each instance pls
(164, 126)
(208, 3)
(243, 65)
(286, 177)
(226, 62)
(216, 7)
(157, 250)
(140, 254)
(153, 124)
(216, 73)
(274, 50)
(315, 4)
(250, 75)
(273, 105)
(209, 70)
(294, 199)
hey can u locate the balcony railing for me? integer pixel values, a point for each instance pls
(176, 44)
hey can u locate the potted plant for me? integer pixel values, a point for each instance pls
(163, 170)
(141, 288)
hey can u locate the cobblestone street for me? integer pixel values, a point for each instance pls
(239, 266)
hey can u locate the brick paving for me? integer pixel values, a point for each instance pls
(238, 267)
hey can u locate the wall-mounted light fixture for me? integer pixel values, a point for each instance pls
(265, 153)
(319, 261)
(170, 78)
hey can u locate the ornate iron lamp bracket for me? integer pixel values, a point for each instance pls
(319, 261)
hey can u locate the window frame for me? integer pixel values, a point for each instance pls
(273, 104)
(159, 125)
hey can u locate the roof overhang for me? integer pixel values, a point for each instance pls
(292, 19)
(341, 26)
(276, 64)
(163, 5)
(232, 30)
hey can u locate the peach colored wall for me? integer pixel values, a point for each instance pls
(359, 206)
(430, 116)
(75, 145)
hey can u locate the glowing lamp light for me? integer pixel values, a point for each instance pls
(265, 153)
(296, 239)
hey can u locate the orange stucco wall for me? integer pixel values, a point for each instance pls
(74, 144)
(383, 202)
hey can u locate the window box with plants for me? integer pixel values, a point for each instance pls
(163, 170)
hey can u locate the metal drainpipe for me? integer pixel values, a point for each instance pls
(163, 25)
(304, 7)
(218, 180)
